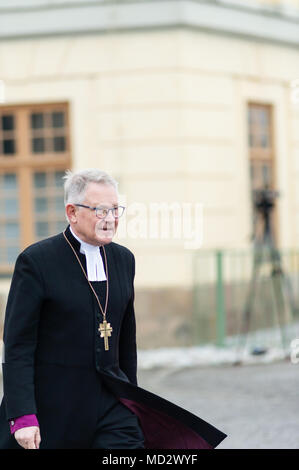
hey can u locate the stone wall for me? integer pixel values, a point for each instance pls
(164, 317)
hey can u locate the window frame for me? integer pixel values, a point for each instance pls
(24, 163)
(264, 155)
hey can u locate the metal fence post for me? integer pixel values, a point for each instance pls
(220, 306)
(195, 309)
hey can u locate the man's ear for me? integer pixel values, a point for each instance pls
(71, 213)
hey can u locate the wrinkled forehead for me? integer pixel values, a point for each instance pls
(101, 194)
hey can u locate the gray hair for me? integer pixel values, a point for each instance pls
(76, 183)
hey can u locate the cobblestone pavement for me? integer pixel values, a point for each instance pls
(255, 405)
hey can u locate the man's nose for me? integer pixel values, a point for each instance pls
(109, 218)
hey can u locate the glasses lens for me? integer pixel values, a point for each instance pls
(101, 213)
(117, 212)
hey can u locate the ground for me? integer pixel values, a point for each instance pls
(255, 405)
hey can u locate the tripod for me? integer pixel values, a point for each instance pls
(265, 250)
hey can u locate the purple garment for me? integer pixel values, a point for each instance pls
(180, 436)
(22, 422)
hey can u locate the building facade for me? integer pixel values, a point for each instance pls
(190, 105)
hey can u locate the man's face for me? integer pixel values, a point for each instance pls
(84, 222)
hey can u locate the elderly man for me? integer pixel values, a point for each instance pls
(69, 359)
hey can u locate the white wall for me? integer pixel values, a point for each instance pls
(165, 113)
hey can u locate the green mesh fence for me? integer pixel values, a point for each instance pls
(238, 295)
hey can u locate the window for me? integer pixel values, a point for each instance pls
(9, 218)
(260, 146)
(261, 155)
(34, 154)
(48, 203)
(7, 135)
(47, 132)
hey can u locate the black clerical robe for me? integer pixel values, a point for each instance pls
(54, 360)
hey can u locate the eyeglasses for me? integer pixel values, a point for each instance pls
(102, 212)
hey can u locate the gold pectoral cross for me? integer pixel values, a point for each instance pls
(105, 329)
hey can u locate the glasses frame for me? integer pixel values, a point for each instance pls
(97, 208)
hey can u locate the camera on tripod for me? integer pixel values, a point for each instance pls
(264, 202)
(264, 199)
(265, 251)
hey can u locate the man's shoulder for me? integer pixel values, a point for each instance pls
(43, 246)
(49, 245)
(121, 249)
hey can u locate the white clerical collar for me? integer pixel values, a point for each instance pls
(94, 262)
